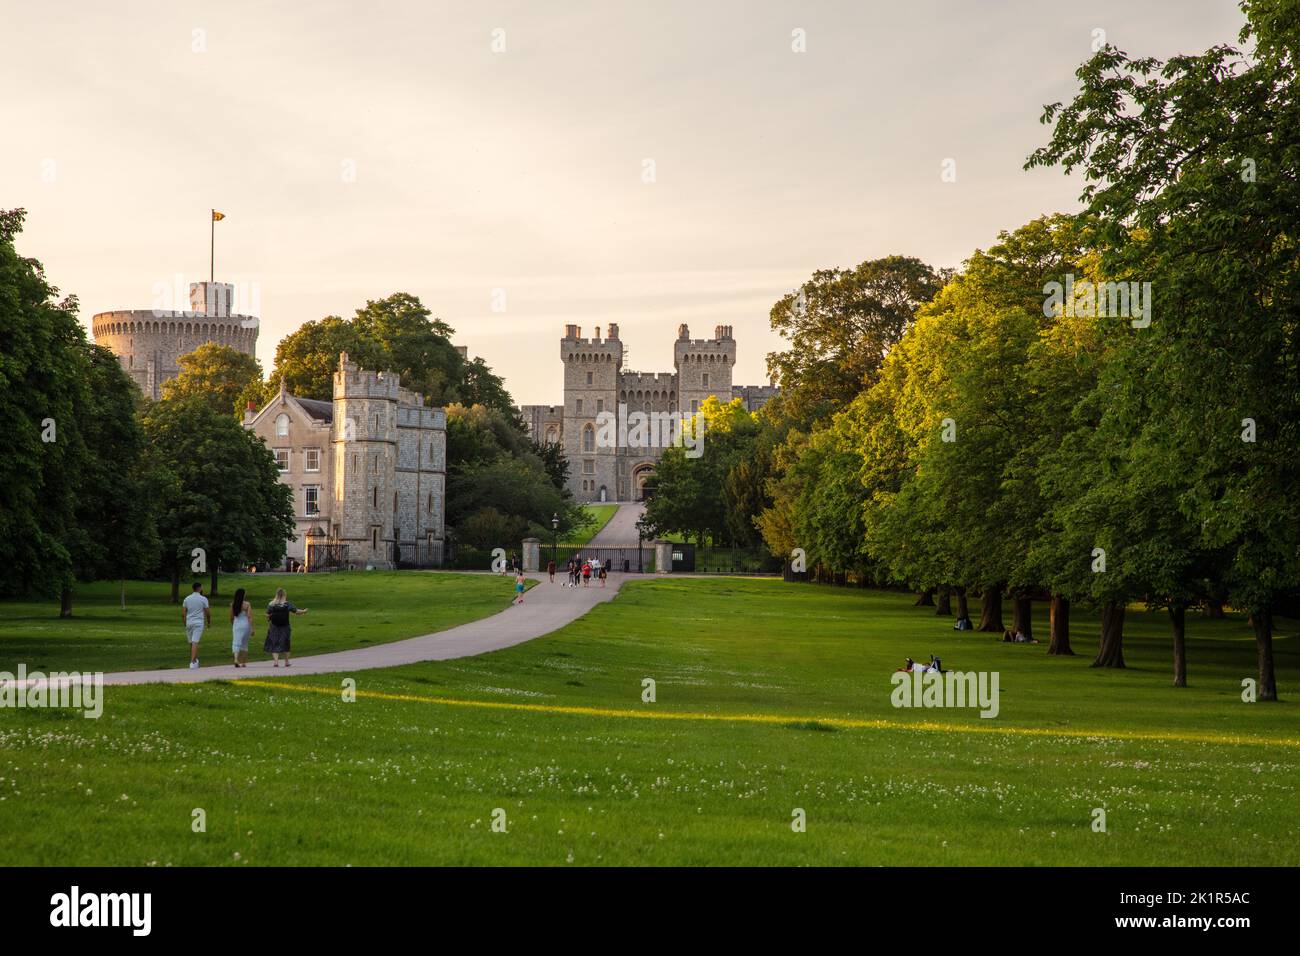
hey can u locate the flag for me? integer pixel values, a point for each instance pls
(218, 216)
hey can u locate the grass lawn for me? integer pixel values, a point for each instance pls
(772, 683)
(346, 610)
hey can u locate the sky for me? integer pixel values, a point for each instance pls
(521, 166)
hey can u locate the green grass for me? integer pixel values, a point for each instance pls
(346, 611)
(301, 777)
(600, 515)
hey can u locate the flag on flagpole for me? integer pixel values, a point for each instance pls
(218, 216)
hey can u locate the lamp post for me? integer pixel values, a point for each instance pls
(555, 532)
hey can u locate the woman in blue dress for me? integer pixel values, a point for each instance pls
(241, 628)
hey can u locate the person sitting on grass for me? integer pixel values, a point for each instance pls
(963, 624)
(910, 666)
(1017, 637)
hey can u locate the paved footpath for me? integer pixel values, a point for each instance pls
(620, 530)
(546, 608)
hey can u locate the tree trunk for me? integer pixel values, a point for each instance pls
(943, 608)
(65, 601)
(963, 606)
(925, 598)
(176, 582)
(1264, 647)
(1213, 609)
(1060, 626)
(212, 592)
(1022, 616)
(1110, 650)
(991, 612)
(124, 594)
(1178, 623)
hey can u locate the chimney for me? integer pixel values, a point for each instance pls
(683, 331)
(613, 330)
(250, 412)
(598, 333)
(721, 332)
(570, 331)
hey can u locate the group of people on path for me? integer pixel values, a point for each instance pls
(198, 616)
(580, 570)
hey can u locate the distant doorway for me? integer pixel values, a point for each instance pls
(640, 475)
(604, 496)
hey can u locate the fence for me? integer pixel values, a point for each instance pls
(734, 561)
(630, 559)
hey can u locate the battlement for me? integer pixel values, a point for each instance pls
(351, 381)
(648, 380)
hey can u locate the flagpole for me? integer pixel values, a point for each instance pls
(212, 244)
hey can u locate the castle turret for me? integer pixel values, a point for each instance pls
(704, 367)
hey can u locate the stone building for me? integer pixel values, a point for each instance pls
(148, 342)
(595, 383)
(368, 470)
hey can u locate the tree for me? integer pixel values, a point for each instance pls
(397, 334)
(1192, 167)
(220, 496)
(113, 534)
(841, 324)
(42, 383)
(224, 377)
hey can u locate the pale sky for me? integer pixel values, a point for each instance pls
(522, 170)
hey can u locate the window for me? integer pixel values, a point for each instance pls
(312, 494)
(706, 379)
(312, 462)
(394, 502)
(281, 425)
(589, 379)
(552, 436)
(430, 508)
(589, 439)
(374, 538)
(695, 406)
(374, 497)
(588, 466)
(579, 406)
(600, 405)
(282, 459)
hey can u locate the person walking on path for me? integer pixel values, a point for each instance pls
(196, 617)
(603, 572)
(586, 574)
(550, 569)
(241, 628)
(519, 588)
(277, 631)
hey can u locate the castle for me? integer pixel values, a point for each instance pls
(368, 471)
(148, 342)
(596, 384)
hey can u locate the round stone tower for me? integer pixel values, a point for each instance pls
(149, 342)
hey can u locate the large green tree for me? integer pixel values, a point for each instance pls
(220, 498)
(223, 376)
(398, 334)
(1192, 166)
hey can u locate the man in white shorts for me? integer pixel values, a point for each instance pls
(197, 616)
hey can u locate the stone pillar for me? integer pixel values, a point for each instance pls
(532, 554)
(663, 557)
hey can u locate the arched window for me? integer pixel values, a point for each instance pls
(552, 436)
(589, 439)
(281, 425)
